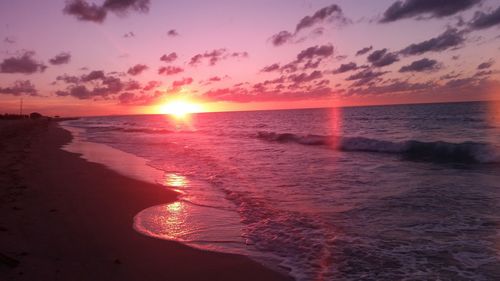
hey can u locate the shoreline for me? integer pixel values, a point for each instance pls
(70, 219)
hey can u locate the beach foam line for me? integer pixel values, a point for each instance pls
(124, 163)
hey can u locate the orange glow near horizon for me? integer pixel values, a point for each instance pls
(179, 108)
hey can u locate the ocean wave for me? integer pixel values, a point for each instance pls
(436, 151)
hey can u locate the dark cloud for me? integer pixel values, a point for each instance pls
(332, 13)
(394, 87)
(304, 77)
(483, 73)
(152, 85)
(346, 67)
(129, 34)
(259, 94)
(364, 77)
(215, 56)
(451, 38)
(137, 69)
(214, 79)
(281, 38)
(61, 58)
(329, 13)
(380, 58)
(9, 40)
(22, 64)
(169, 58)
(483, 20)
(172, 33)
(139, 99)
(179, 83)
(461, 82)
(93, 75)
(84, 11)
(271, 68)
(20, 88)
(420, 65)
(98, 85)
(68, 79)
(451, 75)
(315, 51)
(122, 6)
(169, 70)
(433, 8)
(312, 64)
(364, 51)
(486, 65)
(132, 85)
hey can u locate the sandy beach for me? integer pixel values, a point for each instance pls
(64, 218)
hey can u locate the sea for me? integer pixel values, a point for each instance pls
(397, 192)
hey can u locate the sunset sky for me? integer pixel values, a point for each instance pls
(132, 56)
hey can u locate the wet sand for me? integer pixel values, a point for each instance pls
(63, 218)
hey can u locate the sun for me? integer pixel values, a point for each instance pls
(179, 108)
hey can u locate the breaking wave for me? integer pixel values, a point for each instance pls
(436, 151)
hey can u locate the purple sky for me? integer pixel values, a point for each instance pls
(103, 56)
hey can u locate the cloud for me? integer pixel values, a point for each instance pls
(68, 79)
(330, 13)
(98, 85)
(304, 77)
(137, 99)
(394, 87)
(451, 38)
(483, 20)
(93, 75)
(84, 11)
(381, 58)
(151, 85)
(281, 38)
(20, 88)
(346, 67)
(61, 58)
(214, 79)
(184, 81)
(172, 33)
(315, 51)
(137, 69)
(169, 70)
(420, 66)
(215, 56)
(9, 40)
(169, 58)
(434, 9)
(271, 68)
(486, 65)
(22, 64)
(129, 34)
(122, 6)
(364, 77)
(364, 51)
(259, 94)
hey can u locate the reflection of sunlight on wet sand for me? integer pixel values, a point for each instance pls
(176, 181)
(192, 224)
